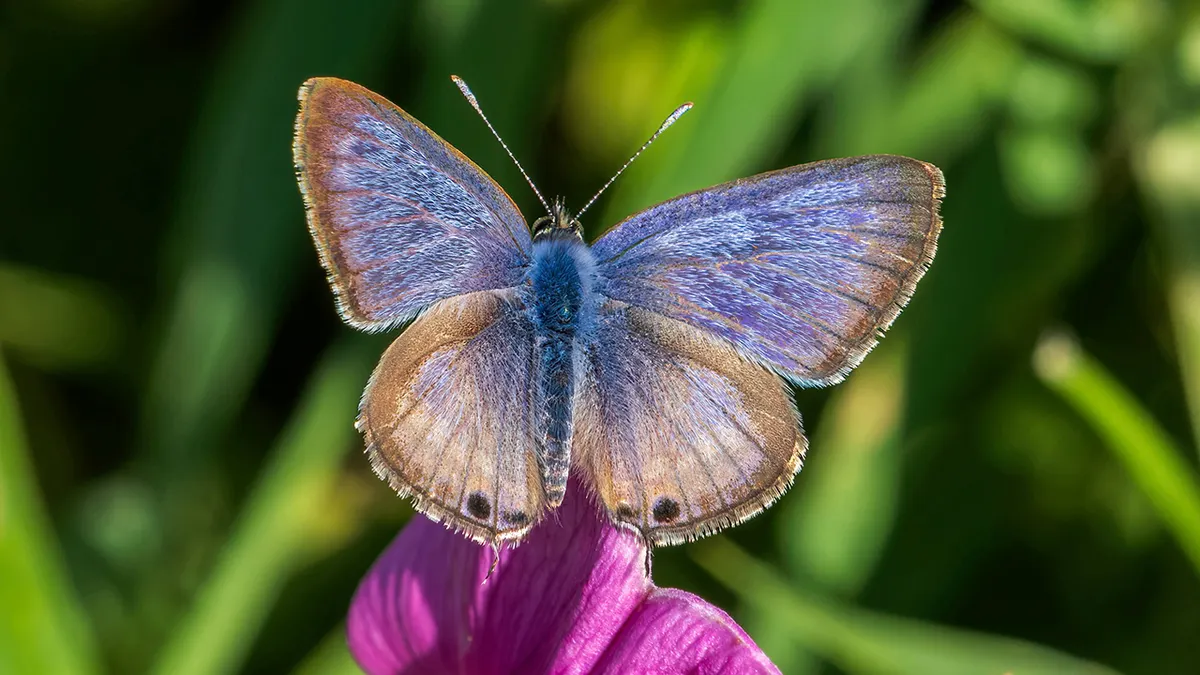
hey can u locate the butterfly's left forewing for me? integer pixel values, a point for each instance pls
(401, 219)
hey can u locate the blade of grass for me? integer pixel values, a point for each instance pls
(1166, 167)
(824, 539)
(57, 322)
(1147, 452)
(781, 52)
(939, 109)
(240, 221)
(860, 641)
(274, 525)
(42, 627)
(1097, 31)
(833, 531)
(1183, 297)
(331, 657)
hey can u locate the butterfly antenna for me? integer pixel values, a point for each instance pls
(671, 119)
(466, 91)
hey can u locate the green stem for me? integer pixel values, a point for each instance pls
(274, 526)
(1183, 296)
(1148, 453)
(330, 657)
(860, 641)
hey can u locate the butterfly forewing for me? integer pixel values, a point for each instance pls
(679, 435)
(801, 269)
(447, 417)
(400, 217)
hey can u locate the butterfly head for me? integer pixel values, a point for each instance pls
(559, 223)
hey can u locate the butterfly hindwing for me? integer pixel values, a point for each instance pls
(401, 219)
(448, 417)
(801, 269)
(678, 433)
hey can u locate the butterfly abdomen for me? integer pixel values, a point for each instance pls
(560, 283)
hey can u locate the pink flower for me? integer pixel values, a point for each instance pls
(573, 598)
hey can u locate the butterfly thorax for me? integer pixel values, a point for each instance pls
(559, 305)
(558, 224)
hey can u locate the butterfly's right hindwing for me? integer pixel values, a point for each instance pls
(679, 435)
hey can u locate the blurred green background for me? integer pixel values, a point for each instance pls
(1008, 484)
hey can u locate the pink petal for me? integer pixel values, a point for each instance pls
(573, 598)
(674, 631)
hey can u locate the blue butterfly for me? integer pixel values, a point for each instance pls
(655, 363)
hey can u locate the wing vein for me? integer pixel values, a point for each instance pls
(685, 304)
(811, 321)
(732, 420)
(817, 284)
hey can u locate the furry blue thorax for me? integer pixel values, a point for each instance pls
(560, 275)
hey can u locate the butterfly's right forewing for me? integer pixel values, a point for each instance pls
(801, 269)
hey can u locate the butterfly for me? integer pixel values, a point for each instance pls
(656, 363)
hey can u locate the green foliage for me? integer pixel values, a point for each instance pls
(180, 483)
(864, 642)
(42, 629)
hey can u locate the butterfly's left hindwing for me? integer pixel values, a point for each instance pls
(448, 417)
(401, 218)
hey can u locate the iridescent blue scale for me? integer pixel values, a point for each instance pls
(657, 364)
